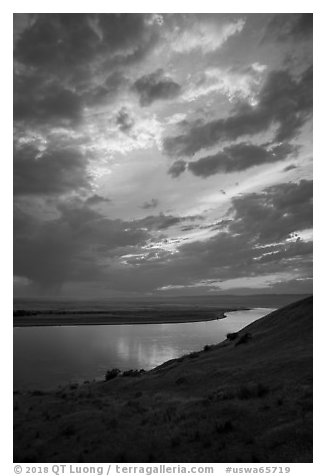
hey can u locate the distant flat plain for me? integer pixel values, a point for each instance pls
(30, 312)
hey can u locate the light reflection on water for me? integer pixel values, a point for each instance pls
(51, 356)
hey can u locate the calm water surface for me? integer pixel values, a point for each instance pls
(45, 357)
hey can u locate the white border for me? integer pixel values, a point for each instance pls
(277, 6)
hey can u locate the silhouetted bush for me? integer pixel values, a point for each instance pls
(232, 335)
(244, 338)
(111, 374)
(133, 373)
(207, 348)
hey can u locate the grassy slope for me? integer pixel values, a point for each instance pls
(230, 403)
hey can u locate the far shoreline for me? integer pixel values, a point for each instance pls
(93, 319)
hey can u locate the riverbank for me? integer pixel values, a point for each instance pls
(40, 318)
(248, 399)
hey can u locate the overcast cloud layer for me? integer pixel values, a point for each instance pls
(162, 154)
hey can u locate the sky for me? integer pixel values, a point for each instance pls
(162, 154)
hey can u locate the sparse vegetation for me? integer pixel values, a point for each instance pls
(111, 374)
(133, 373)
(207, 348)
(232, 335)
(244, 339)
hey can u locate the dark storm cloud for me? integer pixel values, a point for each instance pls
(227, 256)
(57, 57)
(57, 41)
(212, 259)
(284, 102)
(44, 102)
(289, 27)
(238, 157)
(43, 253)
(69, 247)
(177, 168)
(217, 225)
(72, 246)
(151, 204)
(96, 229)
(245, 246)
(162, 221)
(155, 86)
(124, 120)
(275, 213)
(128, 37)
(73, 76)
(75, 245)
(67, 43)
(108, 90)
(189, 228)
(20, 23)
(290, 167)
(96, 200)
(54, 171)
(303, 27)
